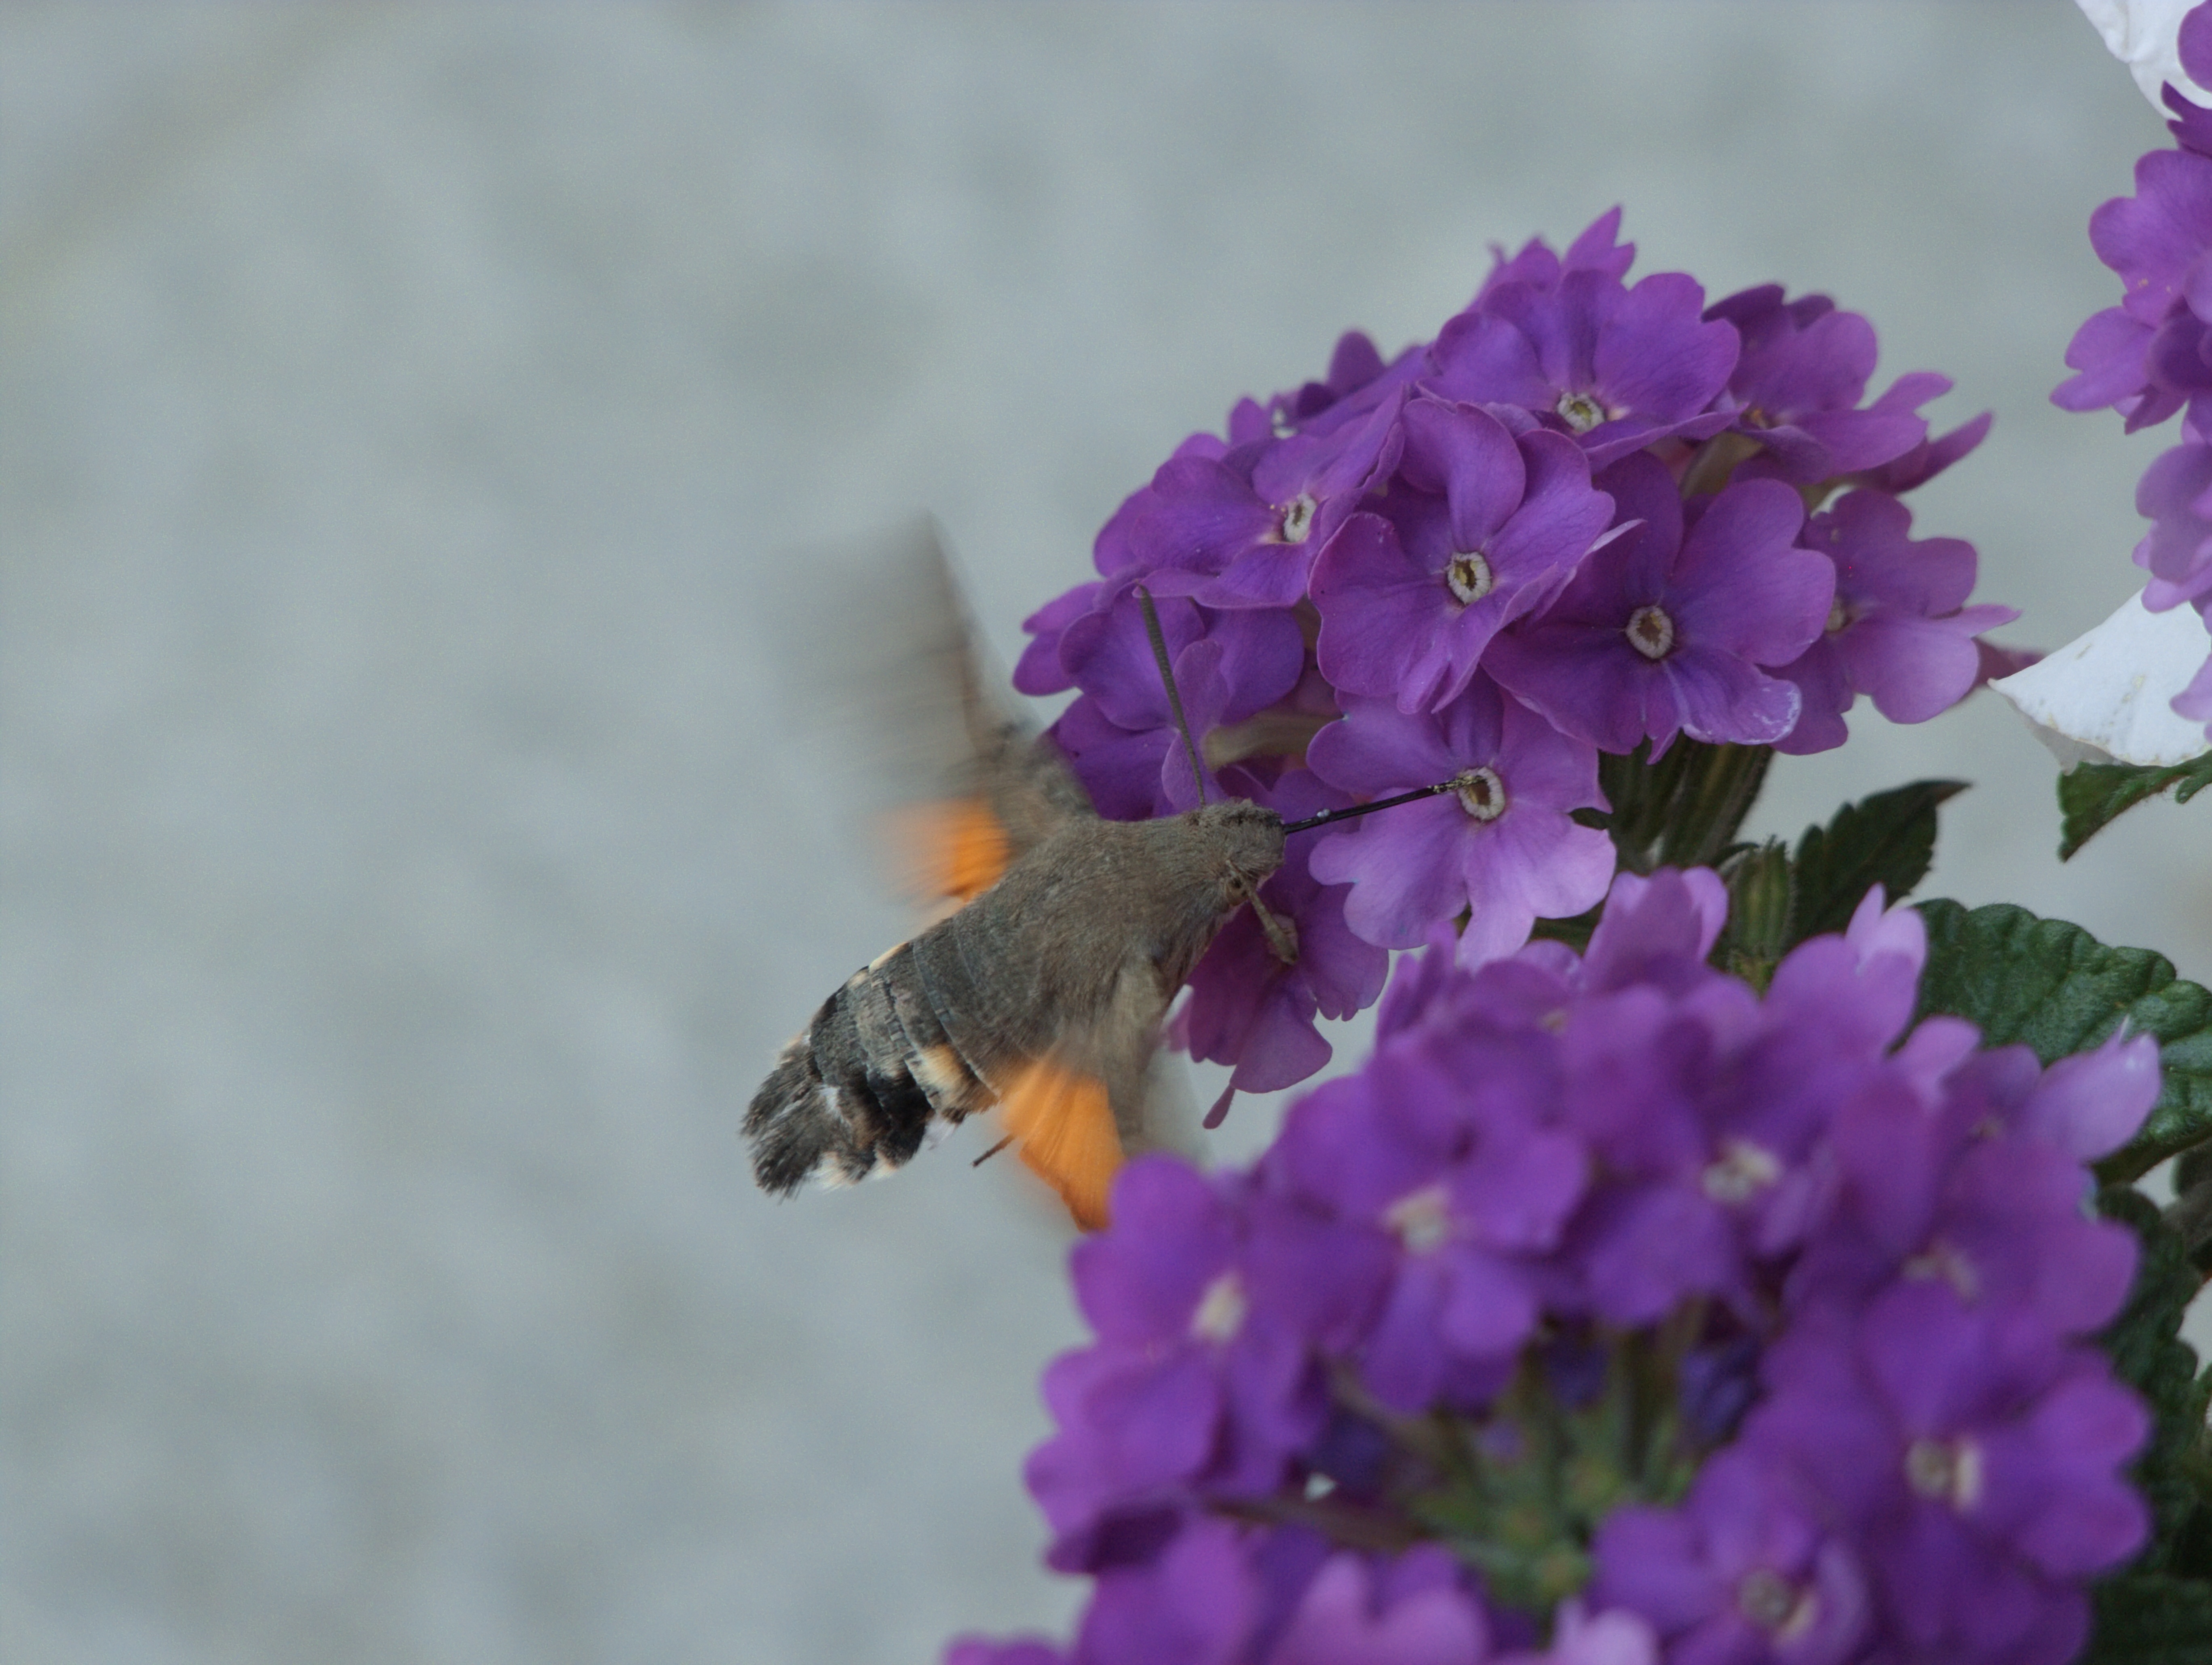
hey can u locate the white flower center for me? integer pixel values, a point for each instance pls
(1940, 1259)
(1421, 1218)
(1744, 1170)
(1838, 615)
(1469, 578)
(1651, 632)
(1481, 793)
(1298, 519)
(1946, 1473)
(1220, 1312)
(1776, 1606)
(1579, 411)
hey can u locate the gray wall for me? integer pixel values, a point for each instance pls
(410, 869)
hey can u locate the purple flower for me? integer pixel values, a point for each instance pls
(1977, 1464)
(1998, 1221)
(1357, 381)
(1494, 525)
(1500, 843)
(1120, 737)
(1598, 249)
(2175, 494)
(1897, 630)
(1180, 1350)
(1617, 368)
(1798, 382)
(1112, 552)
(1927, 459)
(2195, 701)
(1746, 1572)
(1662, 634)
(2090, 1105)
(1614, 1638)
(1249, 1009)
(1411, 1611)
(1656, 930)
(1197, 1604)
(2192, 127)
(1445, 1154)
(1207, 1302)
(1646, 1090)
(1242, 531)
(2147, 357)
(1040, 670)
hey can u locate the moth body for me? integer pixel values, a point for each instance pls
(1044, 993)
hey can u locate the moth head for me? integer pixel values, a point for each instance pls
(1249, 839)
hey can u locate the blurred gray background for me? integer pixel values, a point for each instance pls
(410, 869)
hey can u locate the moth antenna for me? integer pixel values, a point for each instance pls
(992, 1152)
(1167, 676)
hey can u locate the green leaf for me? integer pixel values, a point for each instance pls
(2055, 988)
(2148, 1618)
(1684, 810)
(2147, 1353)
(1887, 839)
(2096, 793)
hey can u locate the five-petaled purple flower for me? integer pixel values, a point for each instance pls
(1672, 629)
(1499, 843)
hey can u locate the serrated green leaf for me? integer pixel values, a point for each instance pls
(2148, 1618)
(2095, 794)
(2147, 1353)
(1887, 839)
(2053, 987)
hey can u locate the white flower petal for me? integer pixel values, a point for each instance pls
(2141, 34)
(2106, 697)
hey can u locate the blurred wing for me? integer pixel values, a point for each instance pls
(1097, 1097)
(1064, 1122)
(874, 645)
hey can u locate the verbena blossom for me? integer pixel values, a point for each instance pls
(1574, 523)
(1615, 1313)
(2150, 357)
(1665, 630)
(1898, 631)
(1499, 845)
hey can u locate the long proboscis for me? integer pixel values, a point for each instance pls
(1330, 817)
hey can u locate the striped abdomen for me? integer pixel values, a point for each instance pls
(856, 1092)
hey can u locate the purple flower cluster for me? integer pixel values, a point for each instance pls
(2150, 357)
(1615, 1314)
(1576, 522)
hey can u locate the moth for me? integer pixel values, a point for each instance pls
(1044, 993)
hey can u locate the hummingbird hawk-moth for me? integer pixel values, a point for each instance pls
(1043, 994)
